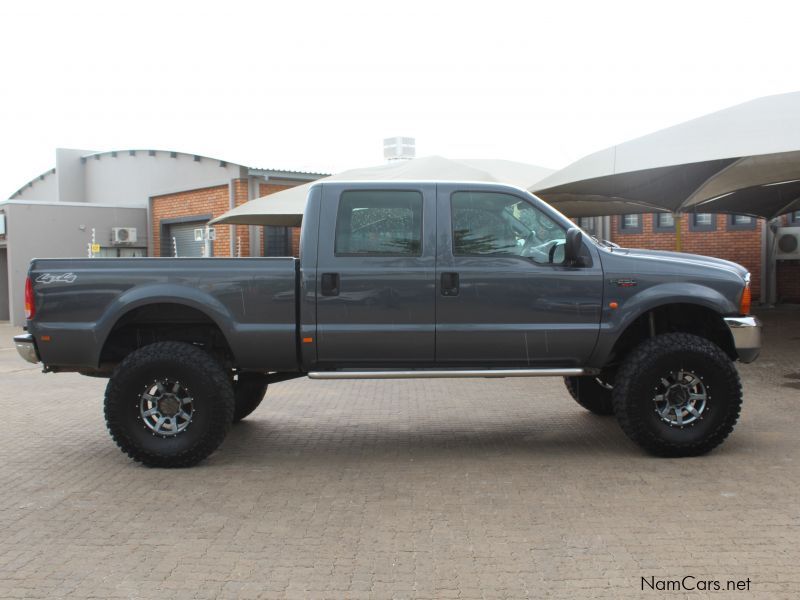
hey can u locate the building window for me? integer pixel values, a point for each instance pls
(741, 222)
(588, 225)
(703, 219)
(794, 218)
(702, 222)
(630, 224)
(663, 222)
(277, 241)
(115, 252)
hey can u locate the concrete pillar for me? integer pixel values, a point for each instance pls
(5, 306)
(769, 290)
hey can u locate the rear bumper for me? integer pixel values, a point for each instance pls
(26, 347)
(746, 332)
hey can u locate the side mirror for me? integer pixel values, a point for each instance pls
(572, 246)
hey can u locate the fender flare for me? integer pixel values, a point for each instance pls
(660, 295)
(161, 293)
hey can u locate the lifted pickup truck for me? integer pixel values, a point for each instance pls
(401, 280)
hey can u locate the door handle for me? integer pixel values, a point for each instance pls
(450, 284)
(330, 284)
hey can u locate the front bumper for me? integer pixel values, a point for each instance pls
(26, 347)
(746, 332)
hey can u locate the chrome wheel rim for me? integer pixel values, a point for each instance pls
(603, 384)
(681, 398)
(166, 407)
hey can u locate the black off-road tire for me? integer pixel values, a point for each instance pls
(249, 391)
(206, 383)
(637, 382)
(590, 394)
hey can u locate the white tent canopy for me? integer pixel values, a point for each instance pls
(286, 208)
(744, 159)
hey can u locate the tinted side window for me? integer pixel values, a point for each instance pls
(379, 223)
(491, 223)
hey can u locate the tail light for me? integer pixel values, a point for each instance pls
(744, 304)
(30, 307)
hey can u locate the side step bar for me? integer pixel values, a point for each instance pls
(452, 373)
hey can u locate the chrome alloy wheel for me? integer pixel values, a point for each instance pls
(166, 407)
(603, 384)
(681, 398)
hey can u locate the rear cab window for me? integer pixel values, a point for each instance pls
(379, 223)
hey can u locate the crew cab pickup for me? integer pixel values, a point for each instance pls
(401, 280)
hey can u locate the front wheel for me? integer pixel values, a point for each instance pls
(677, 395)
(169, 404)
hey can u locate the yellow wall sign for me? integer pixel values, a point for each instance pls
(95, 248)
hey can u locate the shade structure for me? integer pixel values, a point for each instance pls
(285, 208)
(744, 159)
(281, 209)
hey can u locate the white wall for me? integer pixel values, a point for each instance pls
(70, 175)
(131, 180)
(44, 189)
(53, 230)
(123, 179)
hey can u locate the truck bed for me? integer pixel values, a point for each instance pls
(79, 301)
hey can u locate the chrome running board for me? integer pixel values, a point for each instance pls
(452, 373)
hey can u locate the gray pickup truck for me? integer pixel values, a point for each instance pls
(401, 280)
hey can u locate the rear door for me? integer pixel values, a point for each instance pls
(376, 283)
(505, 296)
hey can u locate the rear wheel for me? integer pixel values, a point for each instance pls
(592, 393)
(677, 395)
(169, 404)
(249, 390)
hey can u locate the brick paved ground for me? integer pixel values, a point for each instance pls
(410, 489)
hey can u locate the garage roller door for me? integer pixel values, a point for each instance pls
(184, 238)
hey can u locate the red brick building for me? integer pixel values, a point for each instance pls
(737, 238)
(192, 209)
(175, 217)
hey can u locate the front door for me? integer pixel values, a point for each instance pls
(505, 296)
(376, 276)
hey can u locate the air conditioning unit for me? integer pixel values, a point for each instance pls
(788, 243)
(123, 235)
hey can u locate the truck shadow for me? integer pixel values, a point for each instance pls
(262, 441)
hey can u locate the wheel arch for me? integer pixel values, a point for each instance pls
(179, 312)
(698, 318)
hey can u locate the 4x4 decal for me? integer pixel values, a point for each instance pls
(59, 278)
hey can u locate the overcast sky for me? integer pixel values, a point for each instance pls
(318, 85)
